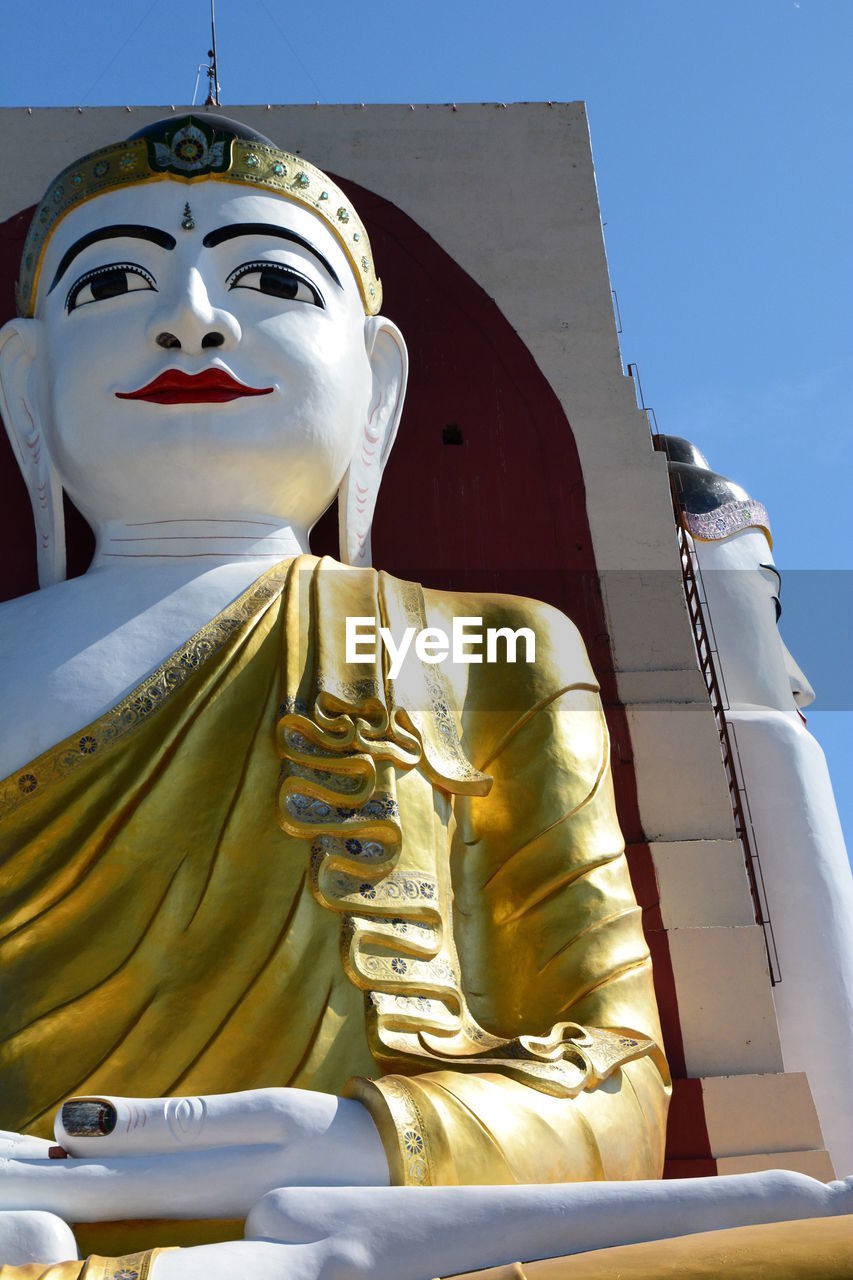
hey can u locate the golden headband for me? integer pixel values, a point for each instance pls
(185, 149)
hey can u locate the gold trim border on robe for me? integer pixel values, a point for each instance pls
(80, 749)
(131, 1266)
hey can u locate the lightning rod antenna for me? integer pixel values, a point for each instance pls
(213, 70)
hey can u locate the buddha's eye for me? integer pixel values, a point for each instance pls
(777, 582)
(108, 282)
(276, 281)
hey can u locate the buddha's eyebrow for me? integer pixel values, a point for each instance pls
(771, 568)
(130, 229)
(235, 229)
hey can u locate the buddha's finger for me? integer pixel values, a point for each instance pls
(23, 1146)
(107, 1126)
(191, 1184)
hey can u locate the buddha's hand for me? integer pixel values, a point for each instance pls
(210, 1157)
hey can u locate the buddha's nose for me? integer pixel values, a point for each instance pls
(188, 321)
(801, 689)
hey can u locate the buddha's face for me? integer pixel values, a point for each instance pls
(743, 586)
(217, 371)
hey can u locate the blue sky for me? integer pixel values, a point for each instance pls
(722, 138)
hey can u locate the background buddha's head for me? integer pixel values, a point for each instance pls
(742, 585)
(199, 337)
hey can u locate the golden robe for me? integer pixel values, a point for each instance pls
(265, 867)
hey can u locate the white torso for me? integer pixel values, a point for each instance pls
(70, 652)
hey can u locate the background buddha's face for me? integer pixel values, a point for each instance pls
(743, 585)
(220, 370)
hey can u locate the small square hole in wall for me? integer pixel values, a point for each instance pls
(452, 434)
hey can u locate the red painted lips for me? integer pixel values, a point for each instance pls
(213, 386)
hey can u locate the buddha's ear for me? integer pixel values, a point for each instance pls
(359, 489)
(18, 403)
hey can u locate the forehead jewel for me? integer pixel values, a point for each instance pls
(186, 149)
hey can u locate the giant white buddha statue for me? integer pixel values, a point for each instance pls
(232, 860)
(796, 828)
(273, 920)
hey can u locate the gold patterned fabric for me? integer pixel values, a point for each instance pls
(132, 1266)
(440, 921)
(811, 1249)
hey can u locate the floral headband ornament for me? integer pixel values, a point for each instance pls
(730, 518)
(710, 506)
(190, 147)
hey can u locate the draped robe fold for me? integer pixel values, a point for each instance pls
(267, 867)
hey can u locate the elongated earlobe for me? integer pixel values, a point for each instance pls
(360, 487)
(18, 345)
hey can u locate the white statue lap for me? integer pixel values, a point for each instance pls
(267, 1154)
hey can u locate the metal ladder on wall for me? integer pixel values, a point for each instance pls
(705, 652)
